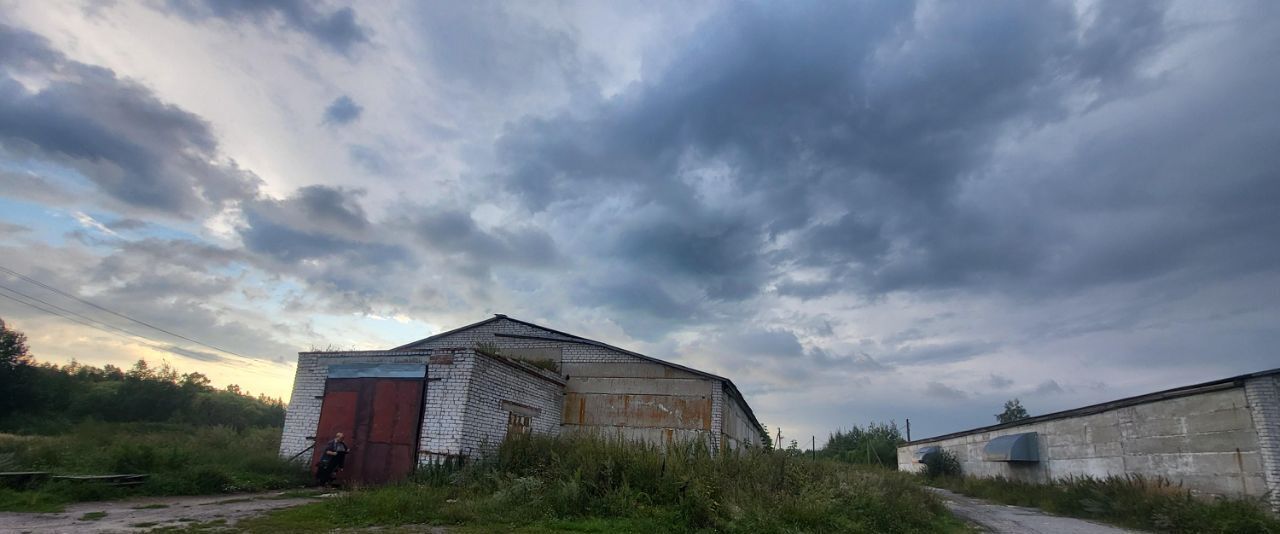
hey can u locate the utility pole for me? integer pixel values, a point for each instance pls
(779, 447)
(908, 429)
(813, 446)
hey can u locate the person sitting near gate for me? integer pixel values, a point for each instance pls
(331, 461)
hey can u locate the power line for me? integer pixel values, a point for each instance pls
(112, 312)
(73, 319)
(72, 312)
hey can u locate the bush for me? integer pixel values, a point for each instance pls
(943, 463)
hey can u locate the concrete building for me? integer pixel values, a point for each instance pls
(1215, 438)
(450, 396)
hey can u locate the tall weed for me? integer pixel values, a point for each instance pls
(180, 459)
(583, 478)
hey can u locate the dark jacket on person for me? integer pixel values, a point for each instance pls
(334, 460)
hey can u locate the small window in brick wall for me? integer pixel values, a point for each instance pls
(519, 418)
(518, 425)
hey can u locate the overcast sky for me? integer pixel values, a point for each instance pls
(862, 211)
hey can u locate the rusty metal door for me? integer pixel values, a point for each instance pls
(378, 408)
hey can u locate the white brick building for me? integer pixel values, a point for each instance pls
(440, 397)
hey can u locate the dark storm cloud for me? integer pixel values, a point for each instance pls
(643, 295)
(720, 253)
(142, 152)
(942, 391)
(999, 381)
(337, 29)
(343, 110)
(855, 142)
(487, 49)
(368, 159)
(323, 237)
(155, 270)
(126, 224)
(454, 232)
(13, 229)
(1048, 387)
(32, 187)
(776, 343)
(316, 222)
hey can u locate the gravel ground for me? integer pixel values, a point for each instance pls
(140, 515)
(1005, 519)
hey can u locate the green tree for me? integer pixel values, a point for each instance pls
(765, 440)
(877, 443)
(53, 396)
(13, 349)
(1013, 411)
(15, 367)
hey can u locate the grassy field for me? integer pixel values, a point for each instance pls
(1136, 502)
(181, 459)
(584, 484)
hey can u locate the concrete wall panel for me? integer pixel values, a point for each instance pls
(1208, 442)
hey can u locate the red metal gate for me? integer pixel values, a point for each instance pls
(379, 416)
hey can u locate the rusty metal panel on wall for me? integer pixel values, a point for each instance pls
(661, 411)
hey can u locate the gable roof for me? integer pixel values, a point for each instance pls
(571, 338)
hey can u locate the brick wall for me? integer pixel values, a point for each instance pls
(448, 383)
(717, 416)
(1263, 395)
(497, 388)
(463, 407)
(303, 415)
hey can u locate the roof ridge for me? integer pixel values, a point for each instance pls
(576, 338)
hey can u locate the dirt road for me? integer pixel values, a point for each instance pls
(137, 515)
(1002, 519)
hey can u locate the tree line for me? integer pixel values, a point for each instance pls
(875, 444)
(43, 396)
(878, 443)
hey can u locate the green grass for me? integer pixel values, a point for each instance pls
(156, 506)
(584, 484)
(1130, 501)
(93, 516)
(180, 459)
